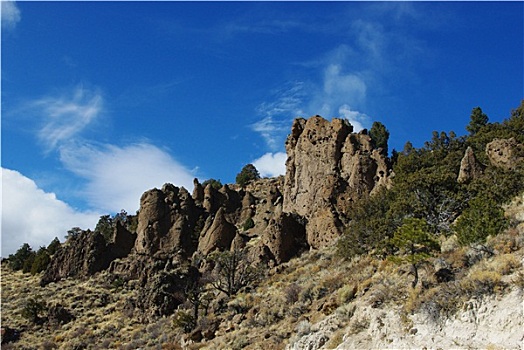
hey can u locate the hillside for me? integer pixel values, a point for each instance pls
(350, 249)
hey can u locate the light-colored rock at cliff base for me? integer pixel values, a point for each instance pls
(495, 322)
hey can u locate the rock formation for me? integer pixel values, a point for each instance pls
(285, 236)
(219, 235)
(327, 167)
(470, 167)
(167, 221)
(87, 253)
(505, 153)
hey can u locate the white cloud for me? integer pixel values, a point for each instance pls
(339, 87)
(336, 95)
(357, 119)
(115, 176)
(10, 14)
(339, 90)
(118, 176)
(30, 215)
(271, 164)
(66, 116)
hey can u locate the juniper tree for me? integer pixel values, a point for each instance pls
(414, 244)
(247, 174)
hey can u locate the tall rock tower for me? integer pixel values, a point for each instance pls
(328, 166)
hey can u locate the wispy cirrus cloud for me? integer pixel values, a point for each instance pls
(338, 93)
(67, 115)
(10, 14)
(277, 115)
(271, 129)
(339, 81)
(114, 176)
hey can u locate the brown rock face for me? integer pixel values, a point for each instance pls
(328, 166)
(470, 167)
(167, 221)
(219, 235)
(82, 256)
(285, 236)
(505, 153)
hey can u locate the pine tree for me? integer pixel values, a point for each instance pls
(477, 121)
(414, 243)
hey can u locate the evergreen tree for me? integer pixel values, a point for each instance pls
(477, 121)
(105, 227)
(379, 136)
(53, 246)
(247, 174)
(42, 259)
(17, 260)
(483, 218)
(414, 243)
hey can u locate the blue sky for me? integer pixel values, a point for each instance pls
(104, 100)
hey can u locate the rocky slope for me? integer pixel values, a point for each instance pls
(327, 166)
(149, 280)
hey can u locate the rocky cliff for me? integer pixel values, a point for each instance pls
(327, 167)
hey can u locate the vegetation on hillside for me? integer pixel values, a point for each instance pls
(425, 246)
(426, 188)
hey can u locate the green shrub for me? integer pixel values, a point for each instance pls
(42, 259)
(483, 218)
(184, 320)
(33, 309)
(249, 223)
(216, 184)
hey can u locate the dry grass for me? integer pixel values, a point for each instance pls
(288, 304)
(96, 305)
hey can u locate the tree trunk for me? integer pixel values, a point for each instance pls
(415, 274)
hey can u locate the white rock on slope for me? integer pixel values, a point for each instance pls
(496, 322)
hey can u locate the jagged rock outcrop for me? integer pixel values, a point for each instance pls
(167, 221)
(328, 166)
(470, 167)
(272, 219)
(198, 192)
(162, 284)
(122, 243)
(505, 153)
(86, 254)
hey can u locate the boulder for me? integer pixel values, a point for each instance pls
(505, 153)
